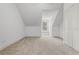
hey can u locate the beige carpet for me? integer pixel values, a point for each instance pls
(38, 46)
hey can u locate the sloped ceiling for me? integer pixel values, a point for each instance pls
(32, 12)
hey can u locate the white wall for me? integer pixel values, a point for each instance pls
(32, 31)
(57, 27)
(68, 24)
(71, 26)
(11, 25)
(31, 14)
(51, 22)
